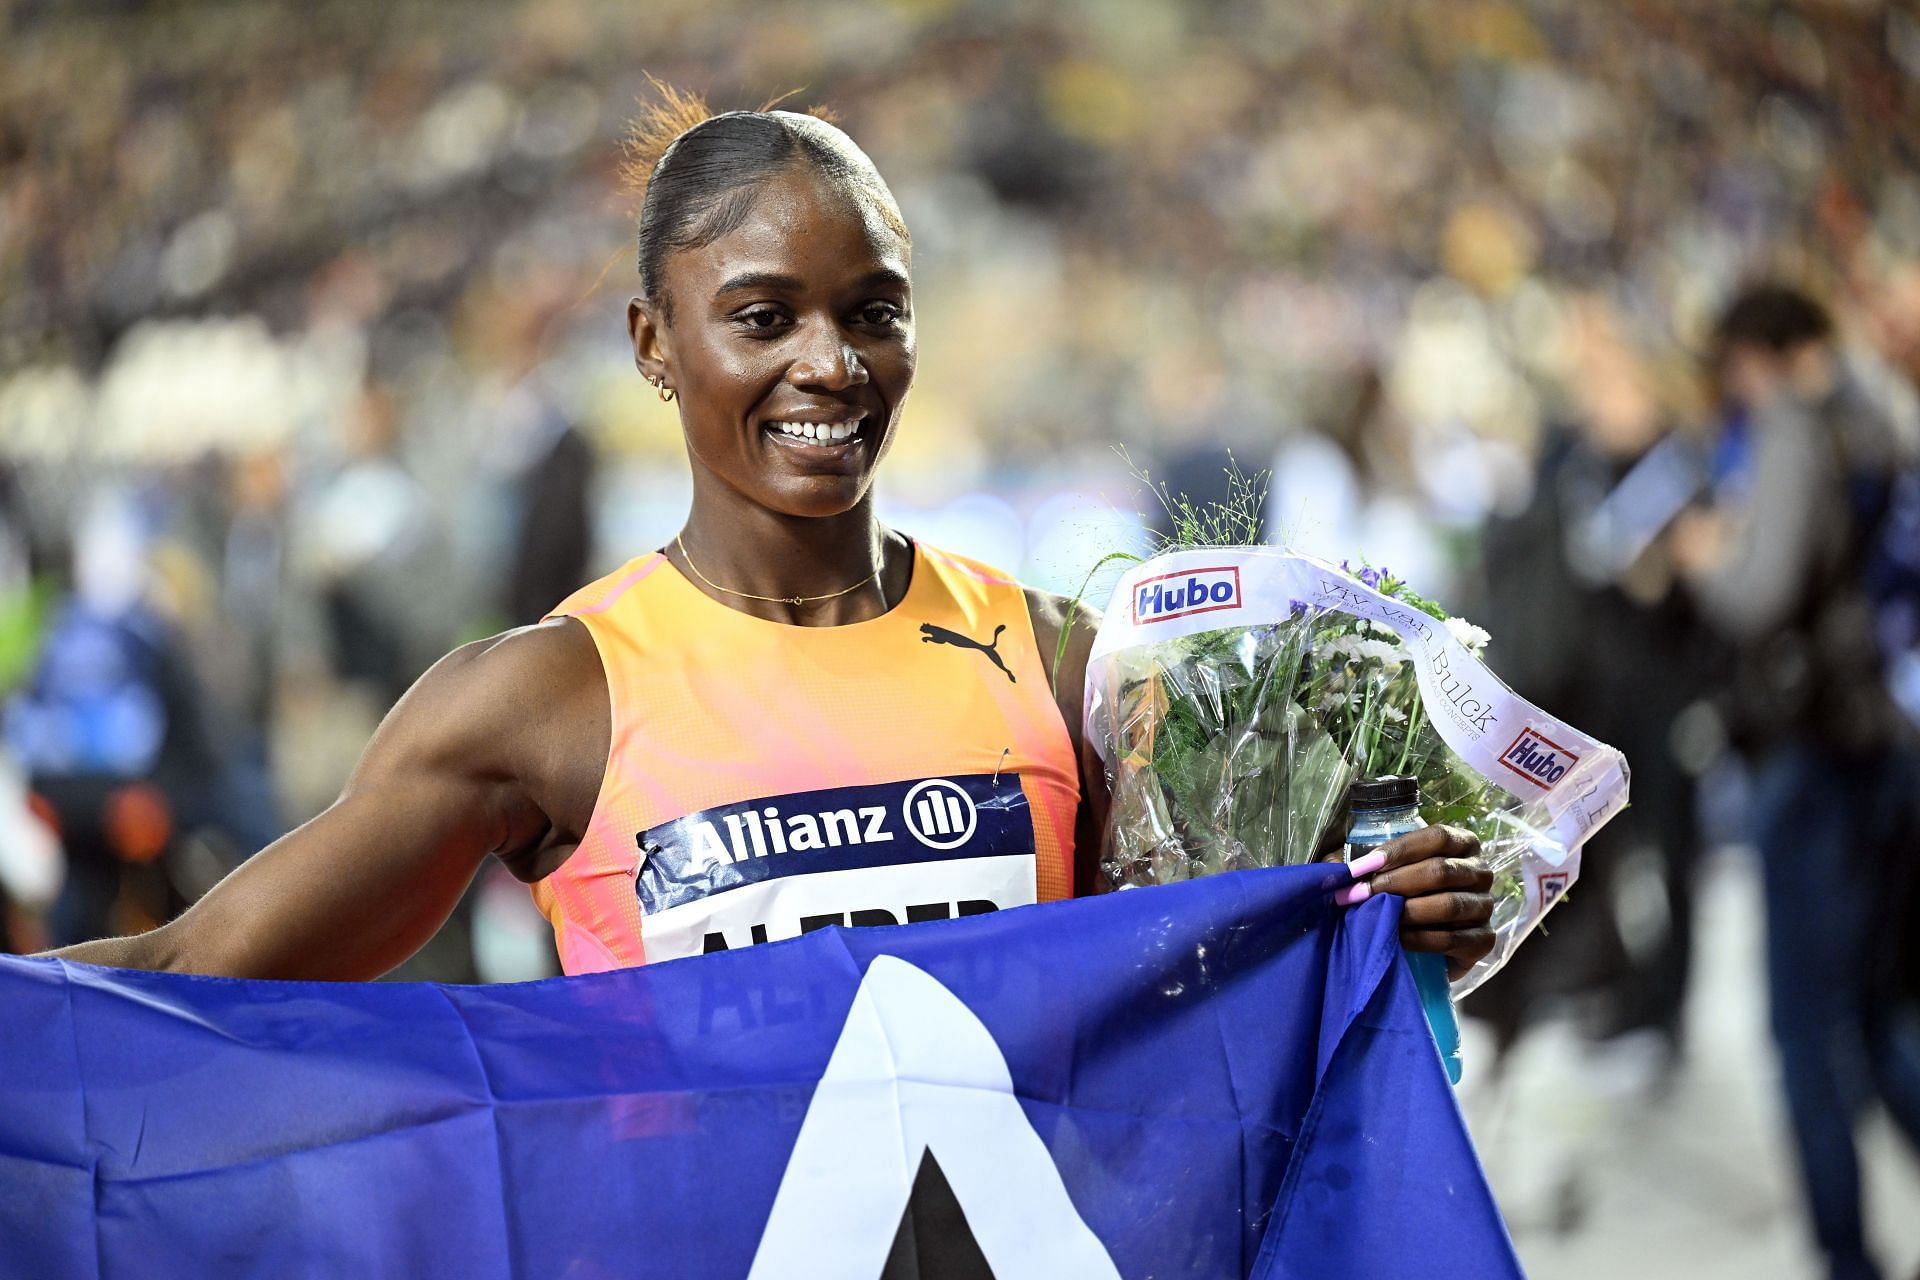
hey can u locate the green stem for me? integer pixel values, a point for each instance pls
(1073, 608)
(1413, 728)
(1363, 752)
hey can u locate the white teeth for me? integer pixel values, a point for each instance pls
(828, 432)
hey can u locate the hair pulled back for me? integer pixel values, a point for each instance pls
(697, 173)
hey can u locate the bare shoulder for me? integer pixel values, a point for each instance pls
(1063, 629)
(1053, 613)
(529, 704)
(514, 678)
(531, 667)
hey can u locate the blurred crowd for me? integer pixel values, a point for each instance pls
(312, 366)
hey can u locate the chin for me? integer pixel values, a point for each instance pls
(818, 497)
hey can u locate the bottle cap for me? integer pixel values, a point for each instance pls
(1385, 793)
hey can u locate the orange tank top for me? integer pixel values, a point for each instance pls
(765, 780)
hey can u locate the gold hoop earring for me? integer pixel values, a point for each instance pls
(660, 386)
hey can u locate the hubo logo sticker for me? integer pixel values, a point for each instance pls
(1175, 595)
(940, 814)
(1538, 758)
(779, 866)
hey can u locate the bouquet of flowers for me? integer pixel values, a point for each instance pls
(1236, 692)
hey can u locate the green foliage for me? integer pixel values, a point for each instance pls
(1234, 522)
(1248, 737)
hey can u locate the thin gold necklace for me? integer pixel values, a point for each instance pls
(795, 601)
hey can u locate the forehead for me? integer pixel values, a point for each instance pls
(817, 229)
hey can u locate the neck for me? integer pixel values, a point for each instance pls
(758, 552)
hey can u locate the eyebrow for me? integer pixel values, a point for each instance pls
(752, 280)
(757, 280)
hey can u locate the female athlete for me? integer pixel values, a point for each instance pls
(789, 717)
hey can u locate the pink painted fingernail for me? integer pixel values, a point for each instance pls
(1368, 865)
(1354, 894)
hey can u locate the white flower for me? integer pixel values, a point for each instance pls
(1389, 654)
(1393, 714)
(1340, 647)
(1474, 638)
(1382, 629)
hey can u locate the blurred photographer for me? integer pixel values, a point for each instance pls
(1603, 633)
(1779, 561)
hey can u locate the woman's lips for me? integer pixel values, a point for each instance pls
(820, 440)
(818, 431)
(817, 446)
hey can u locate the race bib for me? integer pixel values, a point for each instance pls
(780, 866)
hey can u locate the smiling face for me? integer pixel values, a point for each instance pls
(790, 342)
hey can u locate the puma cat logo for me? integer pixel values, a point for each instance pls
(930, 634)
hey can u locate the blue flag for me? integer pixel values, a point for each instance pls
(1228, 1077)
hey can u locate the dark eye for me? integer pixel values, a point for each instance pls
(762, 319)
(881, 314)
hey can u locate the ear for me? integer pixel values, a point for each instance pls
(648, 332)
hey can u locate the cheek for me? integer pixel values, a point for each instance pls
(894, 369)
(725, 371)
(727, 383)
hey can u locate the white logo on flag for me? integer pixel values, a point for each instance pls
(940, 814)
(915, 1072)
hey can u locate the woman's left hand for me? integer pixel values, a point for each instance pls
(1448, 891)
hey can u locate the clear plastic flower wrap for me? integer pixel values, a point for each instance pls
(1235, 693)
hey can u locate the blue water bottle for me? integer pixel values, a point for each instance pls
(1382, 809)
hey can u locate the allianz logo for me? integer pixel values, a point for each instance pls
(1175, 595)
(1538, 759)
(936, 812)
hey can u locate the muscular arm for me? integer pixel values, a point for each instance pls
(469, 762)
(1051, 615)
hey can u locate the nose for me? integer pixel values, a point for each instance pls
(827, 361)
